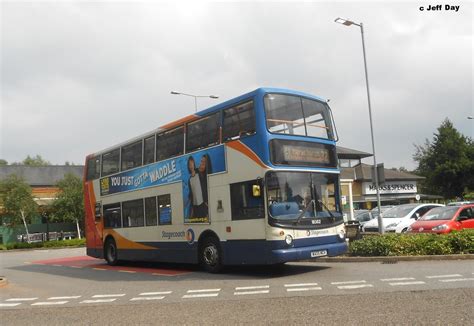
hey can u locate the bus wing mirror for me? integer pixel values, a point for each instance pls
(256, 191)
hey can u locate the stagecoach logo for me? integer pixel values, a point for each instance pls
(308, 233)
(190, 236)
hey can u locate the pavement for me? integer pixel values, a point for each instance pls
(60, 286)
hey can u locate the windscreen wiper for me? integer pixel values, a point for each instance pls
(327, 209)
(312, 202)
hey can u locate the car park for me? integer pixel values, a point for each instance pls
(443, 220)
(399, 218)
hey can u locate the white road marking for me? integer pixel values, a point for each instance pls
(98, 301)
(124, 271)
(355, 286)
(457, 280)
(156, 293)
(252, 292)
(348, 282)
(9, 304)
(203, 290)
(406, 283)
(64, 298)
(49, 303)
(300, 284)
(21, 299)
(441, 276)
(252, 287)
(146, 298)
(108, 295)
(99, 269)
(200, 295)
(397, 279)
(304, 289)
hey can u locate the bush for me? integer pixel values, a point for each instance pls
(414, 244)
(47, 244)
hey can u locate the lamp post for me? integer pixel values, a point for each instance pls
(374, 171)
(195, 97)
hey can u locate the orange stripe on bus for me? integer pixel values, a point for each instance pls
(179, 122)
(124, 243)
(239, 146)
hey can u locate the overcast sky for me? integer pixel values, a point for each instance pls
(78, 77)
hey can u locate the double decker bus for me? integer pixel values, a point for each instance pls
(253, 180)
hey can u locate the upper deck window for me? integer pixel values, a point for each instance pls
(202, 133)
(132, 155)
(170, 144)
(238, 121)
(293, 115)
(110, 162)
(149, 150)
(93, 168)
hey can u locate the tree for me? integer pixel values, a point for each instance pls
(17, 200)
(3, 162)
(34, 161)
(447, 162)
(69, 205)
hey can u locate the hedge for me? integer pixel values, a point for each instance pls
(414, 244)
(47, 244)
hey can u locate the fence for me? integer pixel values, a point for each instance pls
(41, 237)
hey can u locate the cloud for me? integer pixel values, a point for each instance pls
(80, 77)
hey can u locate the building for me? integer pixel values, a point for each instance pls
(358, 187)
(43, 181)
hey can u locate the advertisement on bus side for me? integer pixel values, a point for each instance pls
(191, 169)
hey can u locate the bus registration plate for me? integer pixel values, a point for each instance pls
(319, 253)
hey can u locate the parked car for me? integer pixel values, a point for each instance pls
(362, 216)
(375, 211)
(399, 218)
(445, 219)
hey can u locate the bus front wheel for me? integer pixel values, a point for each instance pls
(110, 249)
(210, 255)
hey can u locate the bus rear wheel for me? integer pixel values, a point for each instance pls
(210, 255)
(110, 249)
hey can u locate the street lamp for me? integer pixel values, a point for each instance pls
(374, 171)
(195, 97)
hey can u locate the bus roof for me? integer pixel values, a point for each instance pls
(259, 91)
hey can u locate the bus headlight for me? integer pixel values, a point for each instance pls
(289, 239)
(342, 234)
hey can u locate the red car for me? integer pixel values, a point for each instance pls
(445, 219)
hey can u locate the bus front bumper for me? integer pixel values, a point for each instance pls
(308, 252)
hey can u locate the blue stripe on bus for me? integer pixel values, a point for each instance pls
(234, 252)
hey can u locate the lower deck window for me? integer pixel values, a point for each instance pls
(132, 213)
(112, 216)
(164, 209)
(244, 203)
(150, 211)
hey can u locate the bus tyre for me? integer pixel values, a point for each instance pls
(110, 249)
(210, 255)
